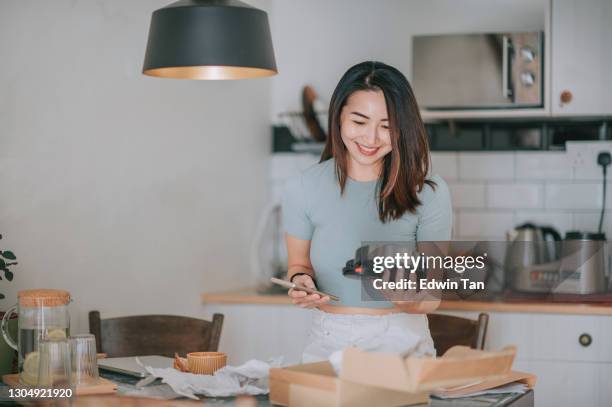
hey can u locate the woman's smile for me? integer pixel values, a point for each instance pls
(367, 150)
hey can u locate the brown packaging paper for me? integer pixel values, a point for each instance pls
(385, 379)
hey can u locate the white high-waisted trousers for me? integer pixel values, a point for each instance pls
(395, 332)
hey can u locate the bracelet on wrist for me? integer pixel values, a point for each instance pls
(303, 274)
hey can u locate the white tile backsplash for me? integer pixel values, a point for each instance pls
(550, 165)
(493, 192)
(562, 221)
(573, 195)
(467, 195)
(486, 166)
(589, 221)
(491, 223)
(445, 165)
(514, 195)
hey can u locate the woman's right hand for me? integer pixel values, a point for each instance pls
(302, 298)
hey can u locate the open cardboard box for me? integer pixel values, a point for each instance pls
(384, 379)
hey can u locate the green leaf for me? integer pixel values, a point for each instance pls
(2, 264)
(8, 275)
(9, 255)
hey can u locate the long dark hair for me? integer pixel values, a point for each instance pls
(406, 166)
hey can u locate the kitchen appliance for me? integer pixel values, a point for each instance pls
(578, 265)
(43, 315)
(267, 255)
(529, 245)
(479, 71)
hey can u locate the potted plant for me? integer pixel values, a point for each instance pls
(7, 354)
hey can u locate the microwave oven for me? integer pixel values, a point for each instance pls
(478, 71)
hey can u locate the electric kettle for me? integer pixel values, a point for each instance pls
(529, 245)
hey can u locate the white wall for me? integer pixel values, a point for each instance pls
(136, 194)
(316, 41)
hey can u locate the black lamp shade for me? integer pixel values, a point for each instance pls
(209, 39)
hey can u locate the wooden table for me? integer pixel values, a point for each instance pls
(125, 384)
(507, 400)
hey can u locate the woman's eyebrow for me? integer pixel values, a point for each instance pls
(360, 114)
(366, 117)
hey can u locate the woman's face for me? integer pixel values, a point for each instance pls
(364, 127)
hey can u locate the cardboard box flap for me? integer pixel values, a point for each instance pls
(514, 376)
(459, 365)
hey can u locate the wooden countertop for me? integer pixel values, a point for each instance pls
(250, 296)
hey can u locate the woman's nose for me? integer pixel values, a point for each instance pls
(371, 135)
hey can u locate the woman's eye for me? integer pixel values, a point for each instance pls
(359, 123)
(385, 127)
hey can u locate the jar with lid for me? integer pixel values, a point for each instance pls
(43, 314)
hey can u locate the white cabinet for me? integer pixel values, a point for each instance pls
(581, 36)
(569, 374)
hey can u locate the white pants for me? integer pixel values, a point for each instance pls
(395, 332)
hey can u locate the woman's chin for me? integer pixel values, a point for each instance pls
(367, 161)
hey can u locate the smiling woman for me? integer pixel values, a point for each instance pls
(372, 184)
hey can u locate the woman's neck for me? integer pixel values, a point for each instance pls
(363, 173)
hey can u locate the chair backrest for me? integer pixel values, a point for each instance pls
(448, 331)
(154, 334)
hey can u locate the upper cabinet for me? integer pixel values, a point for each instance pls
(577, 56)
(581, 66)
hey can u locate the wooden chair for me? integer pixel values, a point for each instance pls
(448, 331)
(154, 334)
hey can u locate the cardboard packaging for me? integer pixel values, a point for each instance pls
(384, 379)
(316, 384)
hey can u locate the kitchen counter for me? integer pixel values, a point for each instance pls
(250, 295)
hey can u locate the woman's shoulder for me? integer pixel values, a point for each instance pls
(434, 191)
(313, 175)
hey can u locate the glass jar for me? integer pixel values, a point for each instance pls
(43, 314)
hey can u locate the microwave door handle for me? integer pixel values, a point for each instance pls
(506, 93)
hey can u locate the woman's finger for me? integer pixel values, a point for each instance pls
(297, 293)
(323, 300)
(307, 298)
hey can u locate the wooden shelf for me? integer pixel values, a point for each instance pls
(442, 115)
(250, 296)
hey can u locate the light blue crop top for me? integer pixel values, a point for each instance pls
(313, 209)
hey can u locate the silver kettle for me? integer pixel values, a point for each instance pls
(529, 245)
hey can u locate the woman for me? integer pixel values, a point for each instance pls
(370, 185)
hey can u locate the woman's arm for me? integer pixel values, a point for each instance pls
(298, 261)
(435, 225)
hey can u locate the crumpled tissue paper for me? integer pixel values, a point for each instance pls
(414, 346)
(250, 378)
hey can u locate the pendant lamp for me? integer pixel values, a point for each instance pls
(209, 39)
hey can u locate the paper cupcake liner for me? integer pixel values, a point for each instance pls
(206, 362)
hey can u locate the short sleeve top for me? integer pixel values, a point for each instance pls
(313, 209)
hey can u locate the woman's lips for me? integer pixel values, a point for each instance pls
(367, 151)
